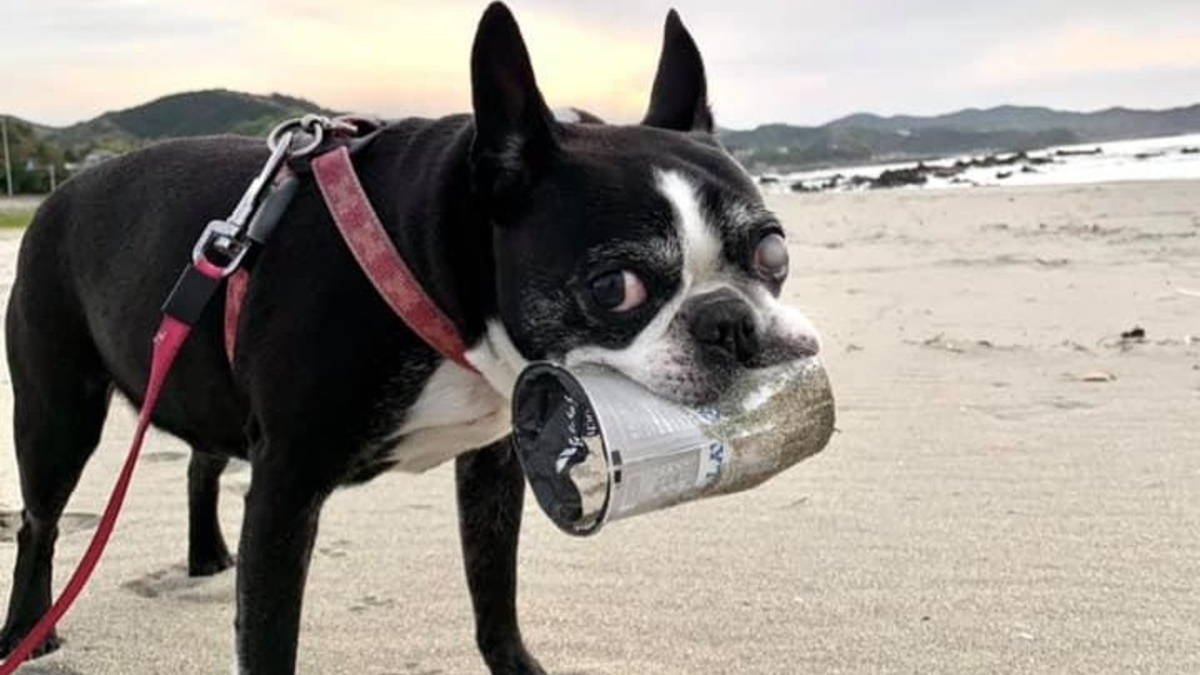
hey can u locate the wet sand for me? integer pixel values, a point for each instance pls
(1013, 488)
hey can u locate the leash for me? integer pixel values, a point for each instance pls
(230, 242)
(170, 337)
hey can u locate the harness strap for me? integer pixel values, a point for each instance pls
(377, 256)
(172, 333)
(235, 294)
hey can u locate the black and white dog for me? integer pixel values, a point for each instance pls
(645, 247)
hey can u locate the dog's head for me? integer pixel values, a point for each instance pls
(646, 248)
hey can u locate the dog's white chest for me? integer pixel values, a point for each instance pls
(458, 411)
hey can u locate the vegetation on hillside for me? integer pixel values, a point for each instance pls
(32, 157)
(34, 148)
(859, 138)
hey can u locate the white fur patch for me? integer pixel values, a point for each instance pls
(701, 245)
(459, 410)
(786, 322)
(497, 359)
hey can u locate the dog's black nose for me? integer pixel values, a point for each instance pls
(723, 322)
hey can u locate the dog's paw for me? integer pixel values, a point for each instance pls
(10, 638)
(209, 566)
(513, 662)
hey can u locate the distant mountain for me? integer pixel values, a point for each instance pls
(197, 113)
(864, 137)
(861, 137)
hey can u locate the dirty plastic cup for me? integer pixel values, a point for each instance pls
(597, 446)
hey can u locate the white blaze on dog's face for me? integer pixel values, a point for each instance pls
(719, 320)
(644, 248)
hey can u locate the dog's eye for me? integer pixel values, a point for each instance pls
(771, 257)
(618, 291)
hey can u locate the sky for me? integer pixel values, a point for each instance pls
(794, 61)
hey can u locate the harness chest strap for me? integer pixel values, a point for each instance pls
(377, 256)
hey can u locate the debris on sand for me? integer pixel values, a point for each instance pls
(1096, 376)
(1052, 262)
(1135, 334)
(939, 341)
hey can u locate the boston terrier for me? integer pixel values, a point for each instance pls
(646, 248)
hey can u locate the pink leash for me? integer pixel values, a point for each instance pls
(170, 337)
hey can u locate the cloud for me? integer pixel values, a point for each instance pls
(1088, 49)
(382, 57)
(774, 60)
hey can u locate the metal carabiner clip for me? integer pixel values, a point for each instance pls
(225, 238)
(283, 135)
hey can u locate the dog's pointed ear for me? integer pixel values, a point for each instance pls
(679, 100)
(514, 130)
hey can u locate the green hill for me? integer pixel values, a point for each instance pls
(32, 157)
(862, 137)
(197, 113)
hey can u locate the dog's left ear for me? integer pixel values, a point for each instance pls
(679, 100)
(514, 130)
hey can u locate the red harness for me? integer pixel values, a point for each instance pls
(376, 255)
(380, 261)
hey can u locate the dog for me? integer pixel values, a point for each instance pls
(645, 247)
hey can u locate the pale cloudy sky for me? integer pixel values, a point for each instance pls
(799, 61)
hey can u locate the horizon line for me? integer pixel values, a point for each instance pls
(720, 128)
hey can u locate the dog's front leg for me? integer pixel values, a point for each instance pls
(278, 531)
(491, 492)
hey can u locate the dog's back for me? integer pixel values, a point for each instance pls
(102, 251)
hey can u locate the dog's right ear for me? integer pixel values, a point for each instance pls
(679, 99)
(514, 130)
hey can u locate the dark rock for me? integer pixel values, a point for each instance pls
(899, 177)
(1135, 333)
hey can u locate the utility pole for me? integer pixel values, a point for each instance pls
(53, 182)
(7, 159)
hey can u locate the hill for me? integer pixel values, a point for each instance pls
(865, 137)
(197, 113)
(37, 164)
(858, 138)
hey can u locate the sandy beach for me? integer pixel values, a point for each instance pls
(1013, 488)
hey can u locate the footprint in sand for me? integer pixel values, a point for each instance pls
(414, 668)
(175, 584)
(372, 602)
(10, 522)
(48, 669)
(164, 456)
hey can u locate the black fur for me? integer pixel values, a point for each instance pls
(501, 215)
